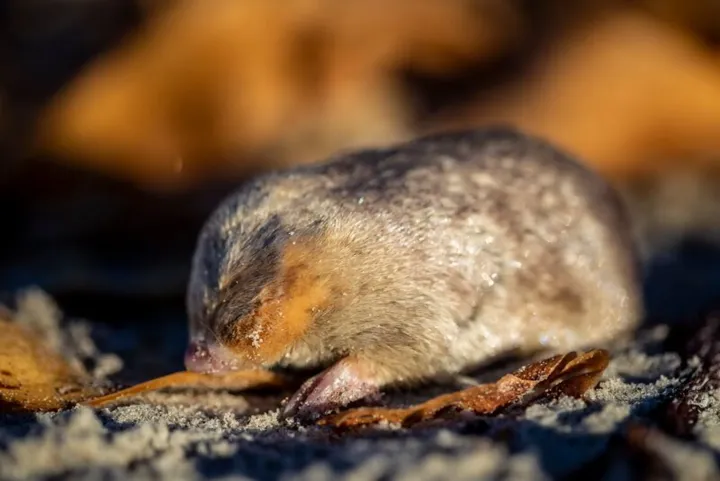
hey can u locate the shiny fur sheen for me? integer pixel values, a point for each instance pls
(417, 261)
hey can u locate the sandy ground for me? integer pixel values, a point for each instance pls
(193, 435)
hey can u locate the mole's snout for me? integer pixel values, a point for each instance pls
(205, 357)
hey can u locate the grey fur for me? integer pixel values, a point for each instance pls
(451, 249)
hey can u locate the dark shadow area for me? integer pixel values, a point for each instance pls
(683, 283)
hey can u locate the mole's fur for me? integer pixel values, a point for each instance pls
(397, 265)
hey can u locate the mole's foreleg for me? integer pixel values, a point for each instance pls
(348, 380)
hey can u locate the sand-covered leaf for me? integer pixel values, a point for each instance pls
(568, 374)
(33, 377)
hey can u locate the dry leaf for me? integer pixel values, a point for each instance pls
(568, 374)
(33, 377)
(239, 380)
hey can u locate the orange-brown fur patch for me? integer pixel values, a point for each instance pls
(286, 306)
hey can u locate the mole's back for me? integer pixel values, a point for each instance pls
(511, 239)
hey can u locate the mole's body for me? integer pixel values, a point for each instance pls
(399, 265)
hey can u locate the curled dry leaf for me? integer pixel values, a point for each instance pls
(568, 374)
(33, 377)
(240, 380)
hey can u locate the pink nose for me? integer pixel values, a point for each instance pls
(209, 358)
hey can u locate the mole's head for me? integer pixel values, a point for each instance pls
(272, 293)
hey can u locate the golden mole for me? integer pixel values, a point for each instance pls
(394, 266)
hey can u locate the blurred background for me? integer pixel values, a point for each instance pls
(124, 122)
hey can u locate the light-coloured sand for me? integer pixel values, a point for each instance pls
(215, 435)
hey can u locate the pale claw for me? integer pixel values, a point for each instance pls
(336, 387)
